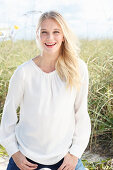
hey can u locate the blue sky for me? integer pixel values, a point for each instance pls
(87, 18)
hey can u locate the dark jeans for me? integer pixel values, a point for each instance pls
(12, 165)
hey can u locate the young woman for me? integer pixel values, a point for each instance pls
(51, 89)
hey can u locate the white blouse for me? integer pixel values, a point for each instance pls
(53, 120)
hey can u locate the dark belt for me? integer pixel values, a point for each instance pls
(52, 167)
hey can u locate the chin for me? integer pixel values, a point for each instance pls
(51, 51)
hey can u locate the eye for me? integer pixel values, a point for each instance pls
(44, 32)
(56, 32)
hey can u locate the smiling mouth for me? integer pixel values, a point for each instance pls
(50, 45)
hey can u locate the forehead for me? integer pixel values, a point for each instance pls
(50, 24)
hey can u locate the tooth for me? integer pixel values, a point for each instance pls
(51, 44)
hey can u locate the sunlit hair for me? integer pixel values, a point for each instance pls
(67, 62)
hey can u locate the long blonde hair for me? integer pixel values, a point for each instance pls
(67, 62)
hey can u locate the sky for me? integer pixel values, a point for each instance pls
(87, 18)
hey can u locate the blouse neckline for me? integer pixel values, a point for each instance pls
(40, 70)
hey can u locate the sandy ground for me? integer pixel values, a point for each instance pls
(3, 162)
(90, 157)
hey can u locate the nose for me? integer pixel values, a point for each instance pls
(50, 36)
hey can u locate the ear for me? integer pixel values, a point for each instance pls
(63, 39)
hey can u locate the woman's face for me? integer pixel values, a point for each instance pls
(51, 36)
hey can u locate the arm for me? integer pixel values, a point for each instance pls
(9, 116)
(82, 120)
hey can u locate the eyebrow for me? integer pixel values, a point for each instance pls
(54, 29)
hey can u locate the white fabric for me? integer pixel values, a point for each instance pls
(53, 121)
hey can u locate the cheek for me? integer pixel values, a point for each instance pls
(60, 38)
(42, 37)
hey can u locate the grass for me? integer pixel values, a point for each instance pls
(98, 54)
(100, 165)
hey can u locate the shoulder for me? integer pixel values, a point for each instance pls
(82, 64)
(23, 66)
(20, 70)
(83, 68)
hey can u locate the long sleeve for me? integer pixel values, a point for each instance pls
(82, 120)
(9, 116)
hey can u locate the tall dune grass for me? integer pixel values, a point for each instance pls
(99, 56)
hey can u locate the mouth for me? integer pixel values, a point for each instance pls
(50, 45)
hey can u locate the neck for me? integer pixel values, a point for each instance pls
(48, 61)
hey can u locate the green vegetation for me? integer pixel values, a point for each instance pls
(100, 165)
(98, 54)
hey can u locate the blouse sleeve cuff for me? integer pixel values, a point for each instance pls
(12, 148)
(76, 151)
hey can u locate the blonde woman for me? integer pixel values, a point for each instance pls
(51, 89)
